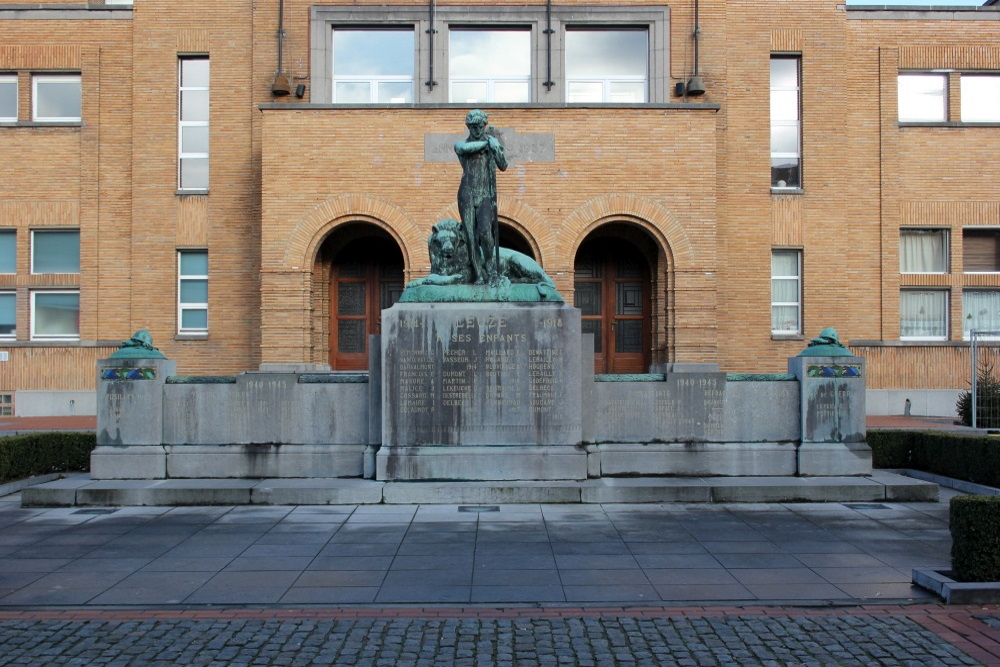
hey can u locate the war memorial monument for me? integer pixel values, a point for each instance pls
(480, 389)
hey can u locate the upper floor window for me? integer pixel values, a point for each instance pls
(8, 98)
(981, 309)
(56, 98)
(923, 251)
(981, 250)
(607, 65)
(192, 291)
(786, 292)
(192, 125)
(372, 66)
(8, 251)
(980, 98)
(55, 315)
(489, 65)
(55, 251)
(923, 314)
(923, 98)
(8, 315)
(786, 125)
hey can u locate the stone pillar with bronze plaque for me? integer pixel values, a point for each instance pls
(833, 414)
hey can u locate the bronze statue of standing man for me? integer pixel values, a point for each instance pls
(480, 155)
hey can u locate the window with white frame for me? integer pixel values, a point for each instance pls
(786, 123)
(980, 311)
(372, 66)
(786, 292)
(8, 98)
(192, 291)
(8, 315)
(489, 65)
(56, 98)
(923, 314)
(192, 130)
(55, 251)
(980, 98)
(981, 250)
(55, 315)
(8, 251)
(923, 98)
(607, 65)
(923, 251)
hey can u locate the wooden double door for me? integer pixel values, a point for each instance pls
(366, 276)
(612, 291)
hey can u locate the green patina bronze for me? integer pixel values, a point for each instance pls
(759, 377)
(827, 345)
(333, 378)
(201, 379)
(632, 377)
(139, 346)
(467, 264)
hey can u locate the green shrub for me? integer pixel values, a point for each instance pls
(987, 400)
(975, 538)
(968, 458)
(891, 449)
(41, 453)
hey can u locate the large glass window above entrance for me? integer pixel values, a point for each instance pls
(372, 66)
(490, 66)
(606, 65)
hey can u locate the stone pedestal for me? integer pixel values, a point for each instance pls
(481, 391)
(130, 418)
(833, 415)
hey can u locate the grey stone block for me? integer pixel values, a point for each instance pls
(833, 398)
(697, 458)
(791, 489)
(512, 462)
(316, 492)
(128, 462)
(265, 460)
(130, 411)
(479, 493)
(664, 490)
(831, 458)
(940, 583)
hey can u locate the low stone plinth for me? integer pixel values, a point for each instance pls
(692, 459)
(510, 462)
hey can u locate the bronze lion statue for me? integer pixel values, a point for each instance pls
(450, 263)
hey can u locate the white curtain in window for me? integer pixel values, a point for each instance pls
(981, 311)
(923, 314)
(922, 252)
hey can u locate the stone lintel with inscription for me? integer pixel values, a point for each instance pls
(517, 147)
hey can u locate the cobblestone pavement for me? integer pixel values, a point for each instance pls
(652, 636)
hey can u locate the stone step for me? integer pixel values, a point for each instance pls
(80, 490)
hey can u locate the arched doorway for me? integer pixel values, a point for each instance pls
(612, 289)
(365, 277)
(511, 237)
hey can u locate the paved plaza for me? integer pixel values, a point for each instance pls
(781, 584)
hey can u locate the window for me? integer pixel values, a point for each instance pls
(7, 404)
(192, 139)
(786, 104)
(56, 98)
(923, 314)
(981, 250)
(8, 251)
(55, 315)
(489, 66)
(56, 251)
(192, 291)
(980, 98)
(981, 310)
(923, 251)
(786, 292)
(8, 98)
(372, 66)
(607, 65)
(923, 98)
(8, 315)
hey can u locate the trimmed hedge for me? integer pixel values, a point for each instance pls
(969, 458)
(975, 538)
(41, 453)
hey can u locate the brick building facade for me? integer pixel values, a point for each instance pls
(711, 180)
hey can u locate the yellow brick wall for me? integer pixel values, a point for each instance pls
(696, 181)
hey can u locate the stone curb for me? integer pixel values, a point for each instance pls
(17, 485)
(955, 592)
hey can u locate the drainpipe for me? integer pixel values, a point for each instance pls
(280, 87)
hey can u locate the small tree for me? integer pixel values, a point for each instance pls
(987, 399)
